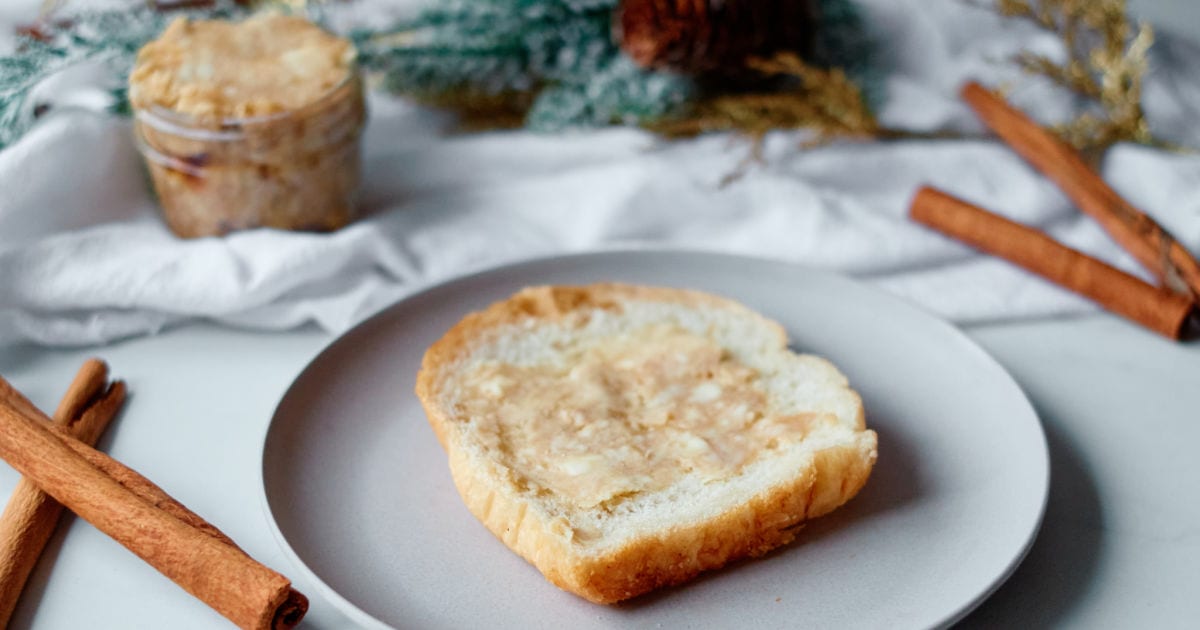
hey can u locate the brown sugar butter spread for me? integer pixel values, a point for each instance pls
(627, 415)
(249, 124)
(267, 64)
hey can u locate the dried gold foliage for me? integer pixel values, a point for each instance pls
(824, 100)
(1106, 62)
(1105, 65)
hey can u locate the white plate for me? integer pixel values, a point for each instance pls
(362, 499)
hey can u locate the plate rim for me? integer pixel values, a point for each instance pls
(369, 621)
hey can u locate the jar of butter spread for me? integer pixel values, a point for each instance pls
(249, 124)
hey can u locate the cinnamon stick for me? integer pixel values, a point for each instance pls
(121, 473)
(1131, 228)
(31, 516)
(208, 566)
(1160, 310)
(88, 383)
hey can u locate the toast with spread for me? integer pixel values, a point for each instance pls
(624, 438)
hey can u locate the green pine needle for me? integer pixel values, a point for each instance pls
(112, 37)
(553, 62)
(560, 51)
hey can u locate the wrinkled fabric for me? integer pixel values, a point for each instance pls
(84, 257)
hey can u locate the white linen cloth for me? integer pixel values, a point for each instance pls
(84, 258)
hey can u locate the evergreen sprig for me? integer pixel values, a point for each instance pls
(111, 36)
(556, 63)
(557, 58)
(490, 46)
(18, 76)
(547, 64)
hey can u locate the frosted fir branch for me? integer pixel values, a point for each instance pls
(491, 46)
(558, 58)
(46, 52)
(619, 93)
(18, 76)
(111, 37)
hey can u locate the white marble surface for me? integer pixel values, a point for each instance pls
(1120, 546)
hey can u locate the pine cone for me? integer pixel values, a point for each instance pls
(699, 36)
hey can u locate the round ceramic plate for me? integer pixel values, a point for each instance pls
(361, 496)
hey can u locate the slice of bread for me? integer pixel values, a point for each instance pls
(623, 438)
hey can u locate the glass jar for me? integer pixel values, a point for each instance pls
(293, 170)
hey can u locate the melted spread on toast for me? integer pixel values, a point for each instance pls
(626, 415)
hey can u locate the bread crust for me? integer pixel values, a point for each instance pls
(763, 522)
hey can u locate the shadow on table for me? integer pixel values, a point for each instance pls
(1058, 570)
(34, 591)
(18, 357)
(35, 588)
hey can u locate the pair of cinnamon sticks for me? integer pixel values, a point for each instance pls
(1165, 309)
(61, 468)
